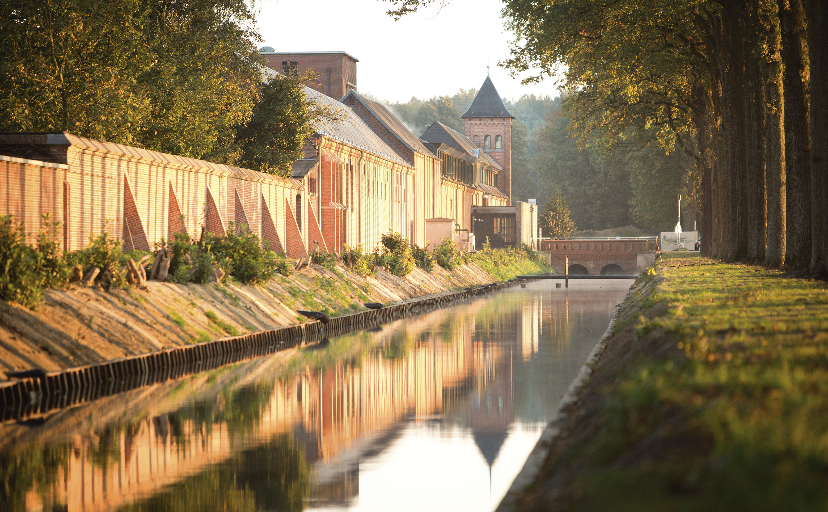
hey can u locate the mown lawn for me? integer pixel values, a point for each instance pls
(733, 415)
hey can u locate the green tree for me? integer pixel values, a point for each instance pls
(555, 220)
(170, 76)
(272, 140)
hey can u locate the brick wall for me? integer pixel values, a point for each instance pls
(336, 70)
(131, 192)
(477, 129)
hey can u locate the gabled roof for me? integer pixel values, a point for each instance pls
(391, 122)
(492, 191)
(438, 133)
(487, 103)
(351, 129)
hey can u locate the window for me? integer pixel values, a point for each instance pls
(299, 211)
(290, 67)
(312, 186)
(487, 142)
(498, 142)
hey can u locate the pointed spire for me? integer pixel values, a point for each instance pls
(487, 103)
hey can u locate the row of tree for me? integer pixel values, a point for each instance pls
(728, 82)
(178, 77)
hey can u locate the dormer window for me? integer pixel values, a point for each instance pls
(487, 142)
(498, 142)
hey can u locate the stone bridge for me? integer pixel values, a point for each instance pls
(591, 256)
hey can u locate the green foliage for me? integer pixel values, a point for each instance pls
(448, 255)
(325, 259)
(422, 257)
(272, 140)
(505, 264)
(22, 278)
(555, 220)
(395, 255)
(358, 261)
(170, 76)
(240, 254)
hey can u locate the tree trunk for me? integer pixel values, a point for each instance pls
(774, 147)
(797, 134)
(817, 17)
(755, 154)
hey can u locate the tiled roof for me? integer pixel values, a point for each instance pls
(391, 122)
(351, 129)
(487, 103)
(438, 133)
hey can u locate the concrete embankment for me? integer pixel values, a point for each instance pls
(83, 326)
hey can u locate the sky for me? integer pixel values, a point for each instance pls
(435, 52)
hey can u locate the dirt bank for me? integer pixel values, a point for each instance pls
(78, 326)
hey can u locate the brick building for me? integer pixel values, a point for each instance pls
(488, 123)
(337, 71)
(362, 175)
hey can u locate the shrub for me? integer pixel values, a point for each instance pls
(423, 258)
(395, 254)
(357, 260)
(240, 253)
(24, 270)
(448, 255)
(325, 259)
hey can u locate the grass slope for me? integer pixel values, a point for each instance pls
(712, 395)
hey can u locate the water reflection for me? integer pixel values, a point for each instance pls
(434, 412)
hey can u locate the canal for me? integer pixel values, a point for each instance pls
(434, 412)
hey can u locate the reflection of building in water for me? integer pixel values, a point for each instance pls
(530, 327)
(492, 407)
(423, 369)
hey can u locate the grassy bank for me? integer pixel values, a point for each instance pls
(712, 395)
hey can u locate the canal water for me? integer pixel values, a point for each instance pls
(434, 412)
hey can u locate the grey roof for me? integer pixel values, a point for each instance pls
(438, 133)
(487, 103)
(384, 115)
(303, 167)
(351, 129)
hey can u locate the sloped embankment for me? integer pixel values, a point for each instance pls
(78, 326)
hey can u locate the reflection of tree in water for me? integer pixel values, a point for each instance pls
(20, 471)
(274, 476)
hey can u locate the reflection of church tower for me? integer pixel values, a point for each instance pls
(488, 123)
(493, 409)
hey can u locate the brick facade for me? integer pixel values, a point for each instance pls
(337, 70)
(132, 193)
(477, 129)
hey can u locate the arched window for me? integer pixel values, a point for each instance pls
(498, 142)
(487, 142)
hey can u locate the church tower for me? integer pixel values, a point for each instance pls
(488, 123)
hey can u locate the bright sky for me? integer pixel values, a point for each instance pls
(435, 52)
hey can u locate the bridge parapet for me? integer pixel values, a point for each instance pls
(593, 256)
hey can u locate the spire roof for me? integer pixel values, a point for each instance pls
(487, 103)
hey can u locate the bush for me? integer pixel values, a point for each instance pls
(423, 258)
(395, 255)
(325, 259)
(448, 255)
(240, 253)
(357, 260)
(24, 270)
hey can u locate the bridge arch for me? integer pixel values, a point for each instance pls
(612, 270)
(578, 270)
